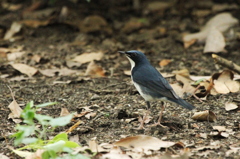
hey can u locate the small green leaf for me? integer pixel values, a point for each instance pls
(71, 144)
(61, 136)
(49, 154)
(45, 104)
(57, 146)
(61, 121)
(29, 140)
(43, 119)
(29, 105)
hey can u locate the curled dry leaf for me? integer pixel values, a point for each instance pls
(223, 82)
(219, 128)
(90, 115)
(164, 62)
(183, 76)
(141, 142)
(15, 110)
(230, 106)
(222, 22)
(94, 70)
(35, 23)
(178, 89)
(25, 69)
(215, 41)
(206, 115)
(64, 112)
(127, 72)
(88, 57)
(2, 156)
(74, 126)
(15, 28)
(61, 72)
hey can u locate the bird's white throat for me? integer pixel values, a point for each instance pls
(131, 62)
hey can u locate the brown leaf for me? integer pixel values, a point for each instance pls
(187, 44)
(88, 57)
(15, 28)
(74, 126)
(11, 6)
(219, 128)
(36, 58)
(230, 106)
(221, 21)
(25, 69)
(94, 70)
(35, 23)
(215, 41)
(223, 82)
(64, 112)
(164, 62)
(141, 142)
(178, 89)
(61, 72)
(206, 115)
(90, 115)
(127, 72)
(15, 110)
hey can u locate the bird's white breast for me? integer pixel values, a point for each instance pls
(131, 62)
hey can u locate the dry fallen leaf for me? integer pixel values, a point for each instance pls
(141, 142)
(94, 70)
(222, 22)
(36, 58)
(206, 115)
(219, 128)
(25, 69)
(64, 112)
(223, 82)
(15, 28)
(56, 71)
(127, 72)
(230, 106)
(178, 89)
(90, 115)
(36, 155)
(15, 110)
(35, 23)
(2, 156)
(164, 62)
(183, 76)
(215, 41)
(88, 57)
(73, 127)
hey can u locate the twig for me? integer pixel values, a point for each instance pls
(229, 64)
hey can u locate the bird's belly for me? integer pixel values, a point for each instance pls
(146, 94)
(143, 93)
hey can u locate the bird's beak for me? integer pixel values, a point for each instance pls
(122, 52)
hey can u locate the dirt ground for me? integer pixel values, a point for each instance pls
(113, 98)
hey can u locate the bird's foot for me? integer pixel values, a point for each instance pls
(158, 123)
(141, 120)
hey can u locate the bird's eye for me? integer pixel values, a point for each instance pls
(133, 55)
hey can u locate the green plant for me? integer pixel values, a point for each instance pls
(33, 133)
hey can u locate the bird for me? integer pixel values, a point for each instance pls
(150, 84)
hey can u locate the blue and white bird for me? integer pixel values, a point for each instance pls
(150, 83)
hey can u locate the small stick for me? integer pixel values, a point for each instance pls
(229, 64)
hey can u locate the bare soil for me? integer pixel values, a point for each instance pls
(113, 97)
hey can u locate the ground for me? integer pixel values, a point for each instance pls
(114, 98)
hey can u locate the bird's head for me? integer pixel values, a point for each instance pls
(135, 57)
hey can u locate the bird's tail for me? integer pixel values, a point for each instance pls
(183, 103)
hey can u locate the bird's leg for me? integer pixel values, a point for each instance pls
(160, 116)
(144, 118)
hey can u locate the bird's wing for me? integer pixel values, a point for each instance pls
(150, 78)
